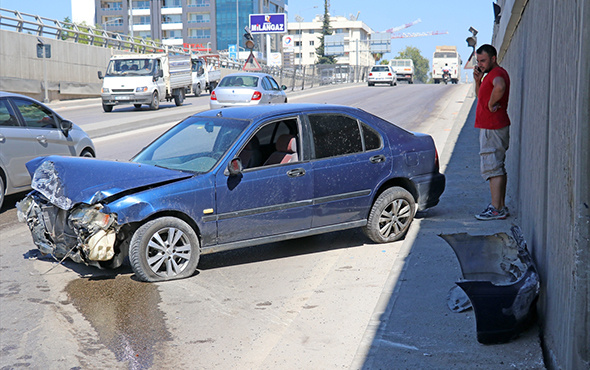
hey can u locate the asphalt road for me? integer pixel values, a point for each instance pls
(302, 304)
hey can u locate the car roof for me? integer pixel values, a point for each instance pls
(5, 94)
(255, 112)
(257, 74)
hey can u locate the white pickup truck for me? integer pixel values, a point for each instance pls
(206, 73)
(404, 68)
(145, 79)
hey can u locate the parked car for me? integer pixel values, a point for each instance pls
(29, 129)
(247, 88)
(382, 74)
(231, 178)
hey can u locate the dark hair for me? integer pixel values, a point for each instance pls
(488, 49)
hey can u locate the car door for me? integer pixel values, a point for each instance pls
(276, 91)
(267, 198)
(350, 161)
(17, 146)
(42, 124)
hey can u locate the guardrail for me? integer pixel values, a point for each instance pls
(294, 77)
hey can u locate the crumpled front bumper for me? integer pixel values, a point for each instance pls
(84, 233)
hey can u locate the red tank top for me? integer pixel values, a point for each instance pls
(484, 118)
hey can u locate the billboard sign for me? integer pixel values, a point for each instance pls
(268, 23)
(288, 42)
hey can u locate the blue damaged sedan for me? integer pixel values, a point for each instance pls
(231, 178)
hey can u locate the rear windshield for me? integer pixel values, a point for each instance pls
(239, 81)
(380, 69)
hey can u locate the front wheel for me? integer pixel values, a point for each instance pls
(155, 104)
(391, 215)
(137, 106)
(166, 248)
(197, 90)
(107, 108)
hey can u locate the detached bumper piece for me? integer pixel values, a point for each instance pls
(500, 280)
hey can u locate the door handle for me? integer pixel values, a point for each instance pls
(296, 172)
(42, 139)
(377, 158)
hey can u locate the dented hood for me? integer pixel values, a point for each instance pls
(66, 181)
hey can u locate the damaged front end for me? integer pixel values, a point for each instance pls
(81, 232)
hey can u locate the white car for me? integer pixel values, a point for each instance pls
(382, 74)
(246, 88)
(29, 129)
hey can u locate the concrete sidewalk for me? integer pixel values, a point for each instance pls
(412, 327)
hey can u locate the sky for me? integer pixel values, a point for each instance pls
(452, 16)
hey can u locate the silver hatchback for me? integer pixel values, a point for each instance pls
(29, 129)
(246, 88)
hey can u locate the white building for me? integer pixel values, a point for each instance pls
(306, 38)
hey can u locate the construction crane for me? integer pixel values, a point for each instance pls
(395, 35)
(417, 34)
(403, 26)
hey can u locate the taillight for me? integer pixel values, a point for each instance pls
(256, 96)
(213, 96)
(436, 161)
(389, 74)
(370, 73)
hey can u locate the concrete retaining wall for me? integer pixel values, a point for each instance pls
(546, 49)
(71, 70)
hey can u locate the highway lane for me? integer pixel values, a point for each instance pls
(303, 303)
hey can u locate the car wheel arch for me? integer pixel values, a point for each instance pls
(134, 225)
(401, 182)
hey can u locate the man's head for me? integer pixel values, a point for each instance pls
(486, 58)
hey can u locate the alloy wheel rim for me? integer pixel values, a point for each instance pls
(168, 252)
(394, 218)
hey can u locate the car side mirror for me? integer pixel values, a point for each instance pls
(160, 73)
(65, 126)
(100, 76)
(283, 87)
(235, 167)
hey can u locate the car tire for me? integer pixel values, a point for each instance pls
(371, 84)
(197, 90)
(107, 108)
(155, 104)
(137, 106)
(166, 248)
(391, 215)
(179, 98)
(2, 191)
(87, 153)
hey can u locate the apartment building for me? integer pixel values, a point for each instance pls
(202, 24)
(356, 36)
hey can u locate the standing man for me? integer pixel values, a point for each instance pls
(491, 117)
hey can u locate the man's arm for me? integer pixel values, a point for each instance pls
(497, 93)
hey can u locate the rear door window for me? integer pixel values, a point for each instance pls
(335, 135)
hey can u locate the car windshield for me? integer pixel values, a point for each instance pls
(124, 67)
(194, 145)
(380, 69)
(239, 81)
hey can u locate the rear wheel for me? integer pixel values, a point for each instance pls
(179, 98)
(197, 90)
(371, 84)
(155, 104)
(137, 106)
(391, 215)
(166, 248)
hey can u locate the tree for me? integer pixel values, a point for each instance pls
(421, 65)
(326, 30)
